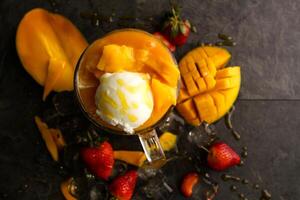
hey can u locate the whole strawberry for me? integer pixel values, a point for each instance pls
(123, 186)
(221, 156)
(99, 160)
(175, 29)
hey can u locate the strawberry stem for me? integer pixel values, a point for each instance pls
(204, 148)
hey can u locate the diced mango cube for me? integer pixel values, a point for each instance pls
(201, 52)
(228, 72)
(190, 84)
(219, 56)
(201, 84)
(183, 67)
(183, 95)
(195, 74)
(116, 58)
(227, 83)
(230, 96)
(220, 103)
(206, 108)
(202, 67)
(211, 66)
(210, 82)
(187, 109)
(167, 141)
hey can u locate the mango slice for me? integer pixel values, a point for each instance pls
(49, 46)
(167, 71)
(65, 189)
(210, 89)
(168, 141)
(53, 138)
(116, 58)
(136, 158)
(164, 97)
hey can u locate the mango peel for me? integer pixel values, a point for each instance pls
(49, 46)
(209, 88)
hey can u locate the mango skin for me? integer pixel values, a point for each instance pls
(49, 46)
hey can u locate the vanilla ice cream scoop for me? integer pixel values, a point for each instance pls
(124, 99)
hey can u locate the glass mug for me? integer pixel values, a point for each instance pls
(85, 85)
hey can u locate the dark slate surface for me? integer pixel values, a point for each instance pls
(267, 113)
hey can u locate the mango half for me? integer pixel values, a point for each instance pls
(49, 46)
(209, 88)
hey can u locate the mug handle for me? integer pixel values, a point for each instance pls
(154, 153)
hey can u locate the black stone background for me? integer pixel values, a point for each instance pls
(267, 111)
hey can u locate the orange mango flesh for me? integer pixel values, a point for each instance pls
(64, 188)
(210, 90)
(145, 54)
(137, 158)
(53, 138)
(49, 46)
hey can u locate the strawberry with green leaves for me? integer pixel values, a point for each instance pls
(99, 160)
(176, 29)
(123, 186)
(221, 156)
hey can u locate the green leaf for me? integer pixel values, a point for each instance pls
(187, 23)
(174, 31)
(183, 29)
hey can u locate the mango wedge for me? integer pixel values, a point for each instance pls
(53, 138)
(164, 97)
(65, 189)
(136, 158)
(210, 89)
(49, 46)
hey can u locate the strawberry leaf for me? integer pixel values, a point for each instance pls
(187, 23)
(183, 29)
(174, 31)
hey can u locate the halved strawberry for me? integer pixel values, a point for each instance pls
(99, 160)
(123, 186)
(221, 156)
